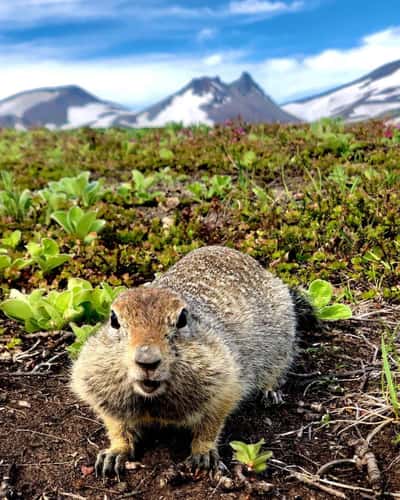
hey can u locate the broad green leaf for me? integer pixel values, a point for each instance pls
(138, 178)
(21, 263)
(53, 262)
(238, 446)
(5, 262)
(248, 158)
(335, 312)
(84, 224)
(76, 284)
(74, 215)
(31, 325)
(50, 247)
(16, 309)
(62, 219)
(243, 457)
(260, 467)
(262, 458)
(166, 154)
(34, 248)
(62, 300)
(12, 240)
(320, 292)
(56, 319)
(97, 226)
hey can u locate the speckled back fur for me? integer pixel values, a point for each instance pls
(248, 308)
(242, 339)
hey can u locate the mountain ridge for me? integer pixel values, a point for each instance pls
(368, 96)
(203, 100)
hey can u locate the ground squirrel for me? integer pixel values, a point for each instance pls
(187, 349)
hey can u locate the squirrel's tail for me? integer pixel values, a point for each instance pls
(306, 317)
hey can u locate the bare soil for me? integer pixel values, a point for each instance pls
(333, 402)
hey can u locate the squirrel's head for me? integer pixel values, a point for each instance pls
(151, 320)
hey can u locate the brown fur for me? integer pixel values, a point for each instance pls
(239, 338)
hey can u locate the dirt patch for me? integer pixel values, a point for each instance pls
(332, 402)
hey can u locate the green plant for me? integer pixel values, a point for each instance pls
(142, 184)
(219, 186)
(13, 203)
(52, 201)
(198, 190)
(248, 158)
(52, 311)
(82, 333)
(46, 254)
(215, 187)
(12, 240)
(320, 293)
(166, 154)
(389, 385)
(340, 176)
(42, 312)
(264, 199)
(79, 224)
(8, 265)
(250, 455)
(78, 188)
(331, 136)
(99, 299)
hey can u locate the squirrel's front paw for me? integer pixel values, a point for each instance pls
(111, 462)
(204, 461)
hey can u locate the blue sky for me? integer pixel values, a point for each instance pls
(137, 52)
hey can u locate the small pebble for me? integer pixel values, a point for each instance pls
(121, 487)
(23, 404)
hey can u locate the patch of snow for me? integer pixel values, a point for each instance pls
(105, 120)
(392, 80)
(19, 126)
(385, 96)
(185, 108)
(395, 120)
(20, 104)
(367, 109)
(79, 116)
(327, 105)
(333, 104)
(218, 86)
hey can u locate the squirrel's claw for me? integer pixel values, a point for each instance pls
(109, 463)
(204, 461)
(272, 398)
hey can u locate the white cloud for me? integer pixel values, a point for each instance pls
(262, 7)
(213, 60)
(37, 11)
(298, 76)
(25, 12)
(135, 82)
(139, 81)
(206, 34)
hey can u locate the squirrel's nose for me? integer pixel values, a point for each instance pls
(148, 357)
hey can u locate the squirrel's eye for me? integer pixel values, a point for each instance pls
(114, 320)
(182, 319)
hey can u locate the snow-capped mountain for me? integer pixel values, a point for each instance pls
(375, 95)
(203, 100)
(209, 100)
(57, 107)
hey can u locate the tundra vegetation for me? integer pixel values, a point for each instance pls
(85, 213)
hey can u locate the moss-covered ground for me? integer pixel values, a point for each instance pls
(306, 202)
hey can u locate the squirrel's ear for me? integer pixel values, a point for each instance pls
(182, 318)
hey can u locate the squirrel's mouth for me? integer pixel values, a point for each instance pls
(149, 386)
